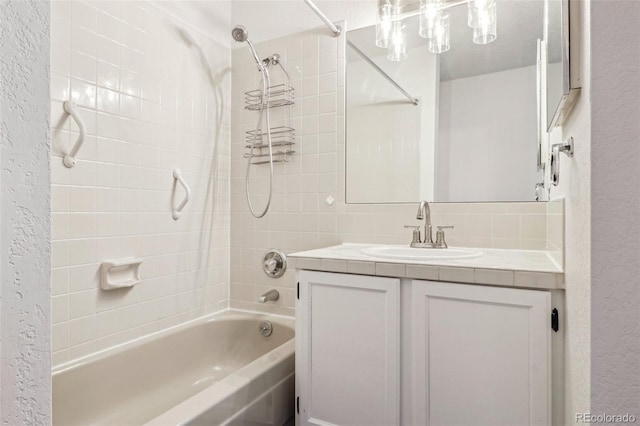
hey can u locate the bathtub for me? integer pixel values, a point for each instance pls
(215, 370)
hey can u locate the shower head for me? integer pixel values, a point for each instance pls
(239, 33)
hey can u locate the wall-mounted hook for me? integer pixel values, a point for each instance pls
(177, 212)
(565, 147)
(71, 109)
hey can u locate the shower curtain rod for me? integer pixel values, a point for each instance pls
(337, 31)
(364, 56)
(333, 27)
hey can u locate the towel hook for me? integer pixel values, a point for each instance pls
(177, 212)
(71, 109)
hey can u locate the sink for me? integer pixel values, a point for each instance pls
(408, 253)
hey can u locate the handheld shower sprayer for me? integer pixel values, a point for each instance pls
(240, 34)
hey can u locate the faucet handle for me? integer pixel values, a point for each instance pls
(440, 242)
(416, 233)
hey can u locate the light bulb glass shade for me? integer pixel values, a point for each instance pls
(487, 31)
(397, 44)
(383, 26)
(429, 11)
(479, 11)
(439, 43)
(485, 35)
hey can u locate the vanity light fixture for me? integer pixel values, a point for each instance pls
(397, 44)
(482, 18)
(434, 25)
(383, 25)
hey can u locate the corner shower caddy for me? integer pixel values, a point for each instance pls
(282, 137)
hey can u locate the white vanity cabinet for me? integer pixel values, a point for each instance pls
(385, 351)
(347, 349)
(481, 355)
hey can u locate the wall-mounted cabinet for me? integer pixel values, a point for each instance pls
(375, 350)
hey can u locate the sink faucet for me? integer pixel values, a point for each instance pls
(270, 296)
(424, 212)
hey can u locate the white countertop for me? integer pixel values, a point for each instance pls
(517, 268)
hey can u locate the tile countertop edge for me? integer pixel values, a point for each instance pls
(469, 274)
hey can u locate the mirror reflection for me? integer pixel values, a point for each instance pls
(472, 136)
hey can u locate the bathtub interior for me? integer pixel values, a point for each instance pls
(140, 381)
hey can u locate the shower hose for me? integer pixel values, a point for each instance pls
(264, 105)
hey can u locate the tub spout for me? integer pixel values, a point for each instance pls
(270, 296)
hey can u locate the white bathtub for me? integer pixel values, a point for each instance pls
(216, 370)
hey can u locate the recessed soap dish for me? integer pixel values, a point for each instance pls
(120, 273)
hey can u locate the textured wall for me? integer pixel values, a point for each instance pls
(575, 186)
(25, 375)
(615, 208)
(154, 93)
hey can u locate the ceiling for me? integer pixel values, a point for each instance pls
(520, 25)
(269, 19)
(266, 19)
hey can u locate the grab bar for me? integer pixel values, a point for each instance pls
(70, 159)
(177, 212)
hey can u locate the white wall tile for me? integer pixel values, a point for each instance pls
(127, 70)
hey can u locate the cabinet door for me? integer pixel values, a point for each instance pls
(347, 349)
(481, 355)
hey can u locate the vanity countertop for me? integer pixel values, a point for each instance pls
(513, 268)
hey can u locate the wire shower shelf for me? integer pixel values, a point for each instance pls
(279, 95)
(280, 136)
(283, 137)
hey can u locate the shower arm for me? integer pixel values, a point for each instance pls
(336, 30)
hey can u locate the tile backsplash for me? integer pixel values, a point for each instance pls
(154, 96)
(555, 230)
(301, 216)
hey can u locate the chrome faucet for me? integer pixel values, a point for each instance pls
(424, 212)
(270, 296)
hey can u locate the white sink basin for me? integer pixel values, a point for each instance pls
(408, 253)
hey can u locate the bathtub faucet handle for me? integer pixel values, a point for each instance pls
(270, 296)
(270, 265)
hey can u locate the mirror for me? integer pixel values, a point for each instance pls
(473, 134)
(562, 66)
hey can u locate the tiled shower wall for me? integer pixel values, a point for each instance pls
(154, 94)
(300, 217)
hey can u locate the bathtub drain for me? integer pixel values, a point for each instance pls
(266, 328)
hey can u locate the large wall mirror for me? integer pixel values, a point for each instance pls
(563, 59)
(473, 134)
